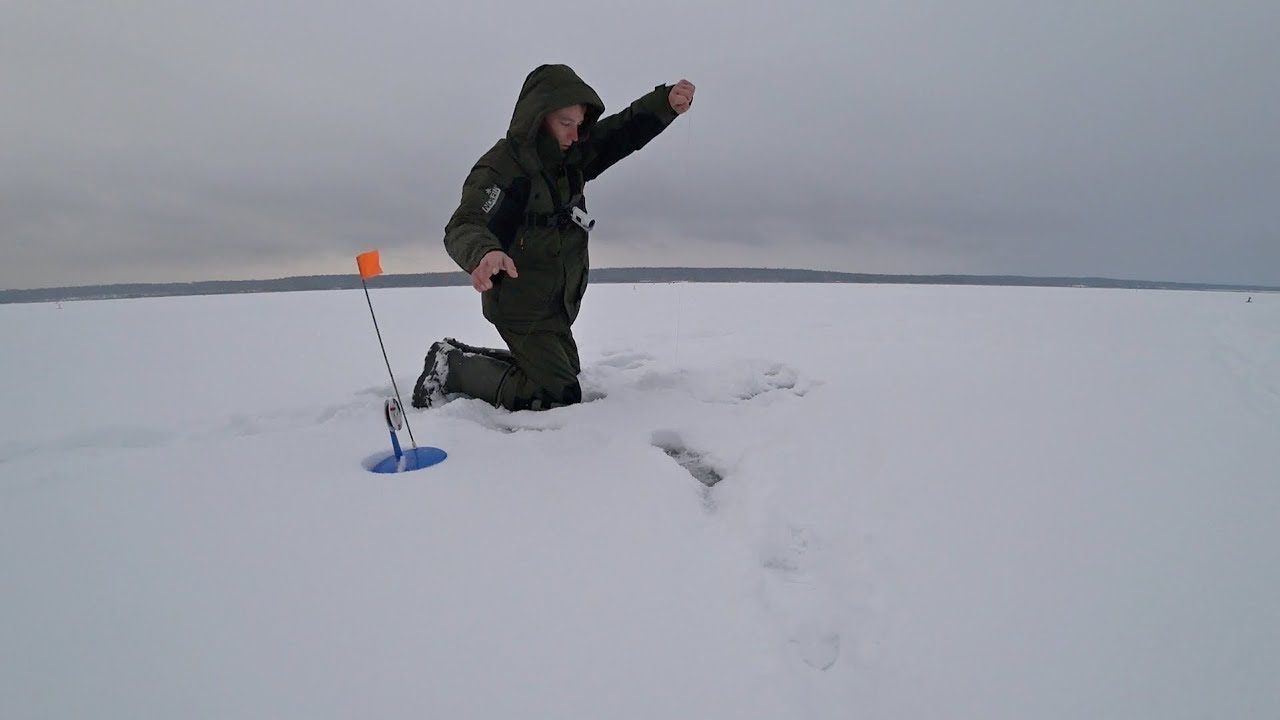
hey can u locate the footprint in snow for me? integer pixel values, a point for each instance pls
(625, 359)
(788, 586)
(694, 462)
(791, 592)
(775, 377)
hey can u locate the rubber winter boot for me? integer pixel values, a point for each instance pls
(450, 371)
(429, 390)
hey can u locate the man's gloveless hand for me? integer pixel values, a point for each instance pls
(494, 262)
(681, 96)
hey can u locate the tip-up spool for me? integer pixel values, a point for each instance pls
(402, 460)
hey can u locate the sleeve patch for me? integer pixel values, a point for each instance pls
(494, 194)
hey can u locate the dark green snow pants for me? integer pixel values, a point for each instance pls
(547, 367)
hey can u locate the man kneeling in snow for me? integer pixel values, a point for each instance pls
(521, 232)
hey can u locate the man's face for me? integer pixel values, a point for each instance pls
(563, 124)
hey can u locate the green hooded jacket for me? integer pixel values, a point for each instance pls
(517, 195)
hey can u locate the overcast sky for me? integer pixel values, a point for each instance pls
(148, 140)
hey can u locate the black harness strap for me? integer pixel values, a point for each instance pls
(559, 217)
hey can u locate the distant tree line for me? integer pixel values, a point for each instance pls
(600, 275)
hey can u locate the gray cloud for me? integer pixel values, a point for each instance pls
(153, 141)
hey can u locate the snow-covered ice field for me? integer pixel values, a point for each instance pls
(932, 502)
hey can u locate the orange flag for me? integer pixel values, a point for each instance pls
(369, 264)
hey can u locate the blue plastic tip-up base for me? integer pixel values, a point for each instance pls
(414, 459)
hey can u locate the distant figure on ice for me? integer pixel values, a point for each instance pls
(521, 232)
(1250, 299)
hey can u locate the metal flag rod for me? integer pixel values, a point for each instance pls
(370, 265)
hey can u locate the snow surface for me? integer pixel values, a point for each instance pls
(932, 502)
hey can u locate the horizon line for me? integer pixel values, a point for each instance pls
(461, 277)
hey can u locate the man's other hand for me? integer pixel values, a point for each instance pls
(494, 262)
(681, 96)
